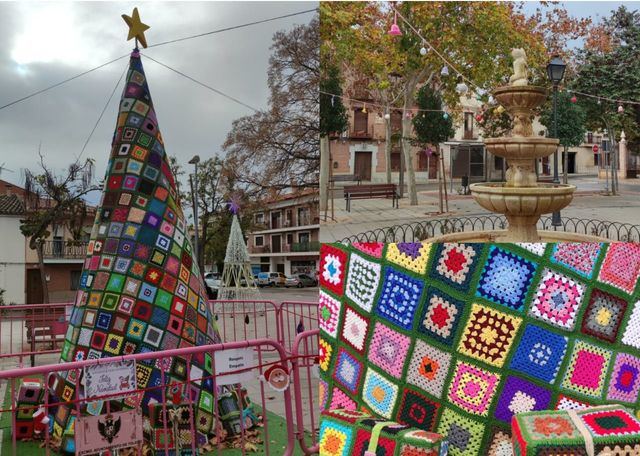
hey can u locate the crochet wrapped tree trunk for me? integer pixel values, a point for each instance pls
(141, 289)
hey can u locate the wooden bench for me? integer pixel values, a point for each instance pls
(346, 178)
(369, 192)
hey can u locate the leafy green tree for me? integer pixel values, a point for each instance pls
(612, 70)
(333, 119)
(571, 125)
(431, 127)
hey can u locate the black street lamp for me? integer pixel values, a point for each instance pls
(555, 72)
(194, 198)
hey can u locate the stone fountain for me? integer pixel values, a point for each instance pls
(522, 199)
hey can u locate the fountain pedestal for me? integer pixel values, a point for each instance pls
(521, 199)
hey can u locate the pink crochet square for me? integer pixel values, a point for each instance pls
(388, 349)
(588, 369)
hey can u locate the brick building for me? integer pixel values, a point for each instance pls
(286, 235)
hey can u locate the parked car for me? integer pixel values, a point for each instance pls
(300, 280)
(212, 282)
(271, 279)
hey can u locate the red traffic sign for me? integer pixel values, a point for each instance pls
(595, 148)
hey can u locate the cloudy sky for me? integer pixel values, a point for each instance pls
(46, 42)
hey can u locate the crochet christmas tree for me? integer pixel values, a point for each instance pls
(237, 281)
(141, 290)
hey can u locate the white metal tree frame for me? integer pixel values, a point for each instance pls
(237, 281)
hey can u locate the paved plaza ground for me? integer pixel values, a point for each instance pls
(589, 203)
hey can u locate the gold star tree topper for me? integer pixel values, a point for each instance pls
(136, 27)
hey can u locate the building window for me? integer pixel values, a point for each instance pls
(590, 137)
(423, 161)
(75, 279)
(276, 220)
(288, 217)
(289, 238)
(360, 121)
(259, 241)
(396, 121)
(259, 218)
(303, 238)
(468, 125)
(303, 216)
(395, 160)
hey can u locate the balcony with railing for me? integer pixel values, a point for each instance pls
(311, 246)
(64, 250)
(296, 247)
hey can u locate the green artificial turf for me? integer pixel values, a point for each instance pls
(277, 436)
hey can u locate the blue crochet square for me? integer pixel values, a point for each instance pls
(540, 353)
(399, 298)
(348, 371)
(505, 279)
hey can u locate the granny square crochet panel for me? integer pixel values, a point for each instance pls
(458, 338)
(141, 289)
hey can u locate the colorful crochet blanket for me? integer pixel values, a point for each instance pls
(354, 433)
(141, 289)
(457, 338)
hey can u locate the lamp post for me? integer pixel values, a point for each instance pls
(555, 72)
(194, 183)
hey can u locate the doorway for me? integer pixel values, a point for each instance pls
(362, 165)
(571, 163)
(34, 287)
(276, 243)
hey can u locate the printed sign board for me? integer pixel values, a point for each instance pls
(234, 360)
(117, 379)
(94, 434)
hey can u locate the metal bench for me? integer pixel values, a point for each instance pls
(370, 192)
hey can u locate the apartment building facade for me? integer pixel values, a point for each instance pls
(286, 235)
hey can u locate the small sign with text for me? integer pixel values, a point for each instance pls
(231, 361)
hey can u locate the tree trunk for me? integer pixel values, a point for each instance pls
(43, 275)
(387, 146)
(406, 146)
(565, 165)
(324, 172)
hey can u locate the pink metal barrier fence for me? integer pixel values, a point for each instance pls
(186, 353)
(245, 322)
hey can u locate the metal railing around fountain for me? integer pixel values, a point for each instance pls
(419, 231)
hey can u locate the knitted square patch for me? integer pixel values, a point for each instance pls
(333, 264)
(355, 328)
(409, 255)
(519, 396)
(580, 257)
(569, 403)
(399, 298)
(428, 368)
(379, 394)
(407, 449)
(621, 266)
(340, 400)
(587, 369)
(488, 335)
(323, 394)
(557, 300)
(625, 379)
(611, 423)
(552, 426)
(537, 248)
(472, 388)
(500, 443)
(335, 438)
(631, 334)
(388, 349)
(362, 281)
(417, 410)
(385, 447)
(539, 353)
(348, 371)
(328, 313)
(506, 278)
(463, 434)
(441, 315)
(324, 354)
(455, 263)
(603, 316)
(373, 249)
